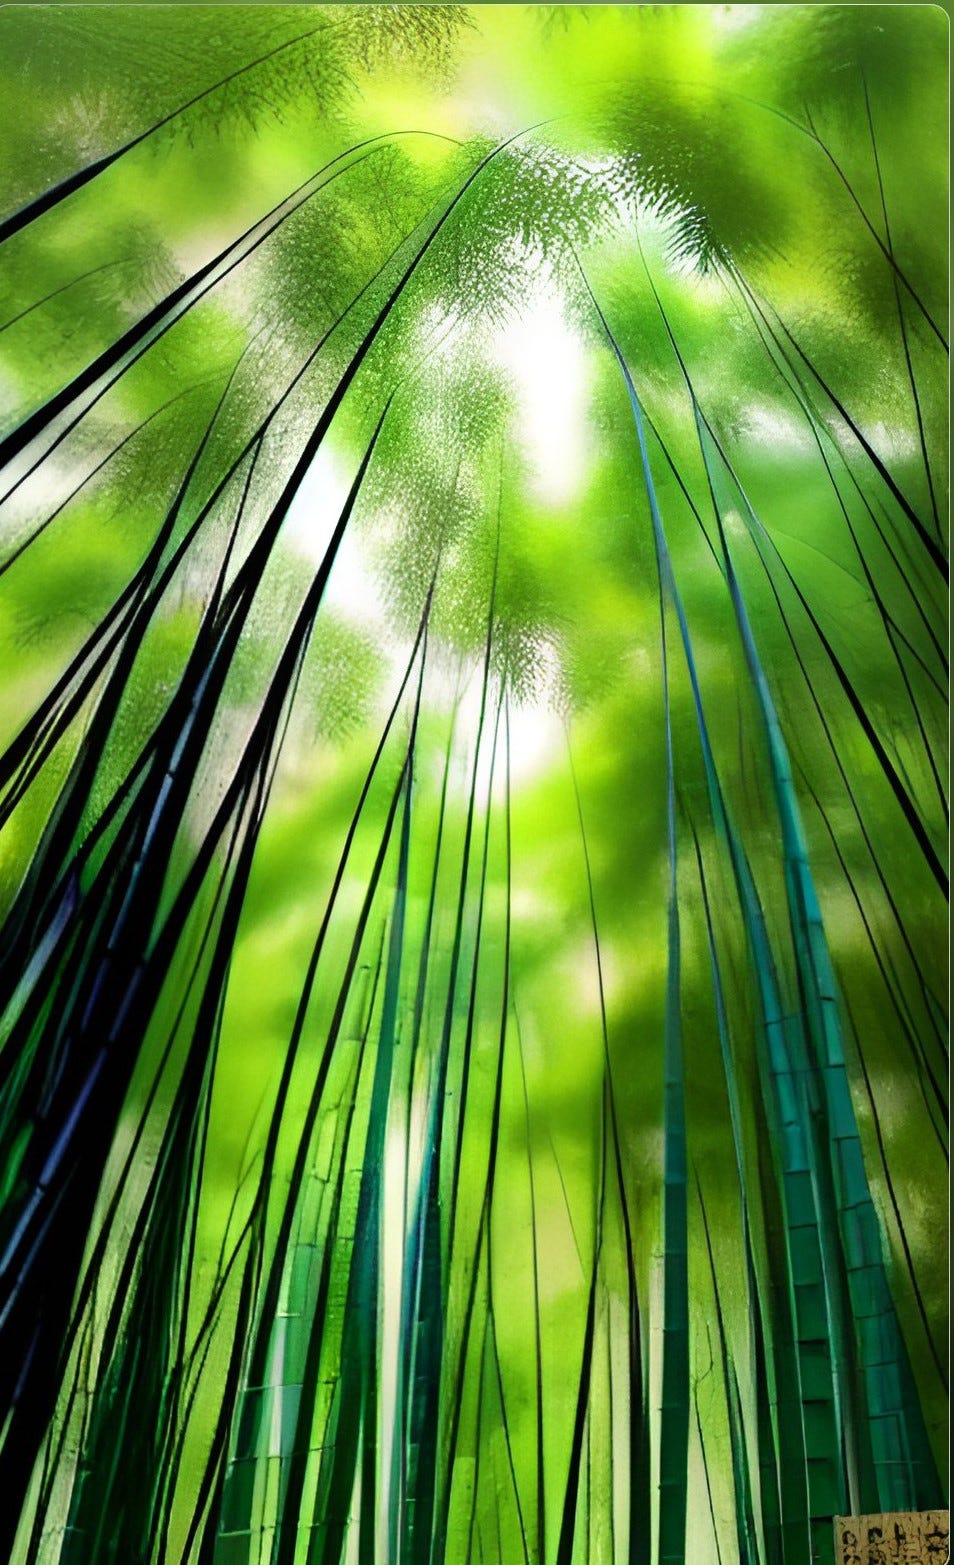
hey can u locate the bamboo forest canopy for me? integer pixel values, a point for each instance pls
(473, 587)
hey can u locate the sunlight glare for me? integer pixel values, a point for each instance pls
(548, 363)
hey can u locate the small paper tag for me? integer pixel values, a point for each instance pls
(894, 1538)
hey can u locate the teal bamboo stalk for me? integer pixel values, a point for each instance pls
(640, 1497)
(674, 1430)
(904, 1467)
(821, 1375)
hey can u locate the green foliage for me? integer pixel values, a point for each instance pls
(473, 564)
